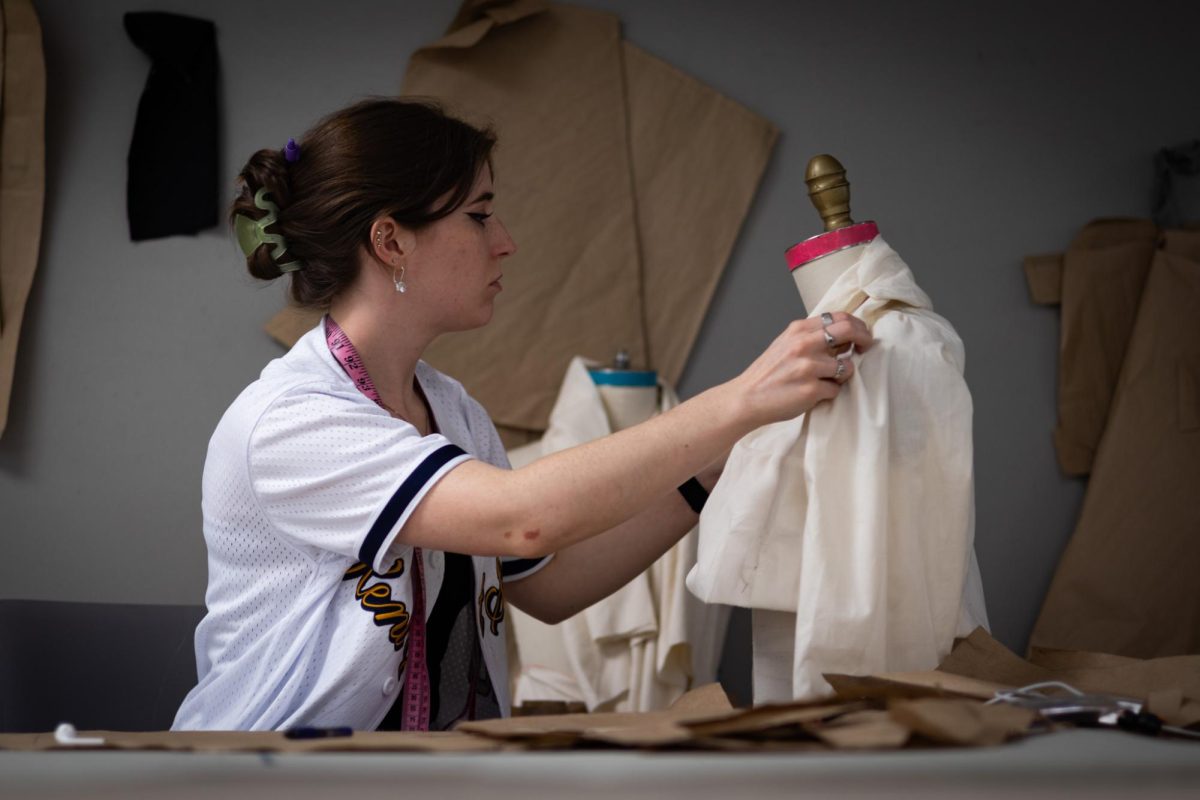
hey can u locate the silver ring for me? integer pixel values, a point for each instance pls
(829, 340)
(826, 319)
(841, 369)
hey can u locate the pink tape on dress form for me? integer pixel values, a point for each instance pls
(825, 243)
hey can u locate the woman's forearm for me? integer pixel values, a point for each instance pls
(566, 497)
(576, 493)
(594, 568)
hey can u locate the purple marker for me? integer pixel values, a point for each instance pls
(292, 151)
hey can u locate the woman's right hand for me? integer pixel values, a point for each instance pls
(799, 369)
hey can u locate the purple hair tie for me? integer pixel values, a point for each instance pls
(292, 151)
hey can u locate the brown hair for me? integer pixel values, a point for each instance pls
(403, 158)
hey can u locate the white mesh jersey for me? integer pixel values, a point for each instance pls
(306, 485)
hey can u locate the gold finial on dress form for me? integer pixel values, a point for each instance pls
(829, 191)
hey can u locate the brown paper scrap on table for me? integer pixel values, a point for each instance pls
(623, 181)
(707, 699)
(626, 729)
(703, 719)
(767, 718)
(1169, 706)
(911, 685)
(981, 657)
(22, 177)
(962, 722)
(815, 725)
(872, 729)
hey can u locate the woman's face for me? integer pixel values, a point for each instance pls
(455, 266)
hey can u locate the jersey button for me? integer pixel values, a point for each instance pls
(389, 685)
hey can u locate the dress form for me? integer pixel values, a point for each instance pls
(629, 396)
(643, 646)
(820, 260)
(816, 263)
(848, 530)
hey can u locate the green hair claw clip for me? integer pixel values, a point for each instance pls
(252, 233)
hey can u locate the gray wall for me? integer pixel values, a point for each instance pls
(973, 137)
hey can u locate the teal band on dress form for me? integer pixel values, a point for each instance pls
(624, 377)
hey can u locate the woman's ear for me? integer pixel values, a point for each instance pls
(391, 241)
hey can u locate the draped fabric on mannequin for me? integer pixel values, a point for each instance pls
(643, 646)
(597, 269)
(856, 520)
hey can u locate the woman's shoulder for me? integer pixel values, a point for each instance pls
(451, 401)
(442, 390)
(290, 400)
(298, 384)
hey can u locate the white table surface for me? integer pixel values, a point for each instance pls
(1080, 763)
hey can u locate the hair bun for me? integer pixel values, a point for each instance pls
(266, 170)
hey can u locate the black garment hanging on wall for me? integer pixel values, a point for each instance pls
(172, 186)
(1171, 164)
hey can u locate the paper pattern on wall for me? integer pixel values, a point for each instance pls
(22, 178)
(623, 181)
(1098, 282)
(1126, 583)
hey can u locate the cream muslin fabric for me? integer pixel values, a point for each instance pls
(858, 517)
(640, 648)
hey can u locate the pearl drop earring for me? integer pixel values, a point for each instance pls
(401, 286)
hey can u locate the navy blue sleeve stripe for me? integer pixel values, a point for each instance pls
(519, 566)
(400, 501)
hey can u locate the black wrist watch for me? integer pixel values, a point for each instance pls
(694, 494)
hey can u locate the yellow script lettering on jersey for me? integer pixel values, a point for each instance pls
(377, 599)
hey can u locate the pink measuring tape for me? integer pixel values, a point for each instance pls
(416, 697)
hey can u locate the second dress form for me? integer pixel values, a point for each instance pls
(650, 641)
(630, 397)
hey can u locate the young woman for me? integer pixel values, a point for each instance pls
(364, 530)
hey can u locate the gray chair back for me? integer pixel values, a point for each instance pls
(107, 666)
